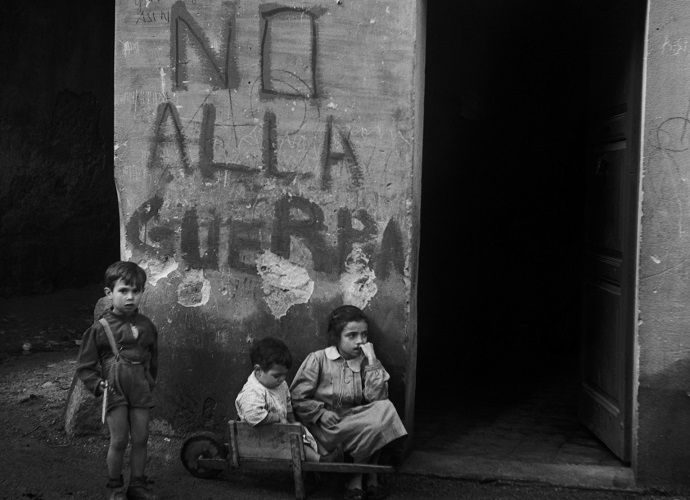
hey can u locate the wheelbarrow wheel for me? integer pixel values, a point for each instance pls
(202, 445)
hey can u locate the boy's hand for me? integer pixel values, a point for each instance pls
(368, 350)
(329, 418)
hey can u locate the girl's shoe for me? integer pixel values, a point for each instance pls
(376, 492)
(354, 494)
(139, 489)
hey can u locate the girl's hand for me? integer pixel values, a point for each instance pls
(368, 350)
(329, 418)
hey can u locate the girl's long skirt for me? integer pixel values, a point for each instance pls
(362, 430)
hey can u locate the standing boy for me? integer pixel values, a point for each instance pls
(119, 356)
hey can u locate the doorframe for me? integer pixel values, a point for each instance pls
(638, 91)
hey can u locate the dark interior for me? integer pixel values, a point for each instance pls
(58, 208)
(502, 202)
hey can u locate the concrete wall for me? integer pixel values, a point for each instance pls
(56, 110)
(266, 161)
(663, 435)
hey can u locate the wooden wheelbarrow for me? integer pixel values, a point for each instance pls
(272, 447)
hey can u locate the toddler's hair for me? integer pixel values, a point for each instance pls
(339, 317)
(270, 351)
(128, 272)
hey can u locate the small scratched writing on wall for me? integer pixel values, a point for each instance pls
(675, 47)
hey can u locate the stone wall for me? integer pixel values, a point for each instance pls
(663, 435)
(266, 160)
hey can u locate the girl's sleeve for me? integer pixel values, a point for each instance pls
(288, 406)
(88, 362)
(303, 389)
(375, 382)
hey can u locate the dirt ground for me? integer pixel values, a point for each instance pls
(38, 460)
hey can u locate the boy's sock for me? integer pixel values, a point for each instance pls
(115, 482)
(115, 489)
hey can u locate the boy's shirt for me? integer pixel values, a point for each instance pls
(255, 401)
(95, 347)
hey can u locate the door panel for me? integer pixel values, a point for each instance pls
(604, 211)
(612, 165)
(603, 311)
(604, 394)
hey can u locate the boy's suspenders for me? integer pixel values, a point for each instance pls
(111, 338)
(111, 341)
(113, 346)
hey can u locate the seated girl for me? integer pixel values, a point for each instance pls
(341, 394)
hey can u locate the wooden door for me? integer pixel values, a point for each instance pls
(612, 179)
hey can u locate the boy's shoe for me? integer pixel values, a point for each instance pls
(115, 489)
(139, 489)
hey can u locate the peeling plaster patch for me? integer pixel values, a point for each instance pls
(157, 270)
(655, 259)
(195, 290)
(284, 283)
(300, 253)
(357, 283)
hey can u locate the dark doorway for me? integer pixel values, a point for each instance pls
(503, 210)
(59, 223)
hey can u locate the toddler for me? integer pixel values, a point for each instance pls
(265, 397)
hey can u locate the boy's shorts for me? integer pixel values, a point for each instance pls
(131, 385)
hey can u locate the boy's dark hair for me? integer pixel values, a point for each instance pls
(128, 272)
(270, 351)
(339, 317)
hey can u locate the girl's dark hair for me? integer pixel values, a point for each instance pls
(270, 351)
(339, 317)
(129, 272)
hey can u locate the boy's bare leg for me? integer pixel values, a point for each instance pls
(139, 429)
(118, 425)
